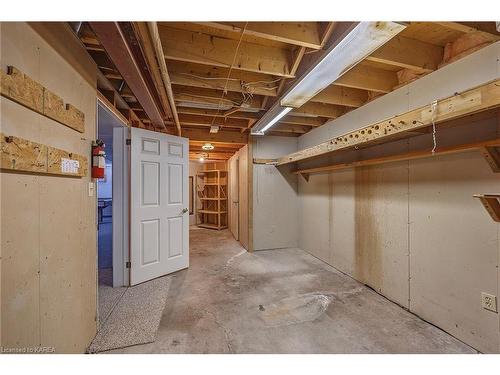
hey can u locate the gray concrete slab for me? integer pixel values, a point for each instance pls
(281, 301)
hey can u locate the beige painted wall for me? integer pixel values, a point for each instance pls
(275, 201)
(241, 159)
(48, 223)
(412, 230)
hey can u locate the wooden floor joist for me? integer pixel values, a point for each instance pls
(399, 157)
(471, 101)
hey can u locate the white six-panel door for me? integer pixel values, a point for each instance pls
(159, 217)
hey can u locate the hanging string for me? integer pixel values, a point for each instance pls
(433, 113)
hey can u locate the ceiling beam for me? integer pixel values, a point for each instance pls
(305, 34)
(409, 53)
(113, 40)
(153, 29)
(187, 46)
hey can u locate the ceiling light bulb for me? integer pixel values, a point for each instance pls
(202, 158)
(208, 146)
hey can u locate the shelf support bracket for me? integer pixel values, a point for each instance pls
(491, 204)
(492, 156)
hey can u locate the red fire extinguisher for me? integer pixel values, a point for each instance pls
(98, 159)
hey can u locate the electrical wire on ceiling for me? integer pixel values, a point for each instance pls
(224, 91)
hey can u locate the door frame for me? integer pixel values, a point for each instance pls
(121, 210)
(120, 205)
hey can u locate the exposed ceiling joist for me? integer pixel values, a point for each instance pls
(366, 77)
(319, 110)
(113, 40)
(305, 34)
(345, 96)
(212, 77)
(222, 136)
(215, 99)
(183, 45)
(409, 53)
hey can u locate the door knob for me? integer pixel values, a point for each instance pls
(185, 210)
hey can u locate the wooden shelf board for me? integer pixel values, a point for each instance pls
(213, 199)
(400, 157)
(211, 212)
(212, 226)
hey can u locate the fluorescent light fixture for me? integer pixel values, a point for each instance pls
(270, 118)
(361, 41)
(208, 146)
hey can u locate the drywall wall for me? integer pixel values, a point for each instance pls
(411, 229)
(194, 167)
(48, 223)
(275, 203)
(238, 195)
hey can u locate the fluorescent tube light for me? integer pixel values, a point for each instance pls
(364, 39)
(361, 41)
(273, 119)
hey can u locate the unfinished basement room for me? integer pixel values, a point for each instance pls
(172, 185)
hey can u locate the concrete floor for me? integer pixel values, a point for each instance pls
(281, 301)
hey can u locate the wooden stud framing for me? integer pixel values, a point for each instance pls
(18, 87)
(474, 100)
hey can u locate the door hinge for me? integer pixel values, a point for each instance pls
(128, 265)
(128, 142)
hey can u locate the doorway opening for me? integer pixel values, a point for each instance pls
(107, 124)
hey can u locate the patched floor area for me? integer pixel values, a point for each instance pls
(281, 301)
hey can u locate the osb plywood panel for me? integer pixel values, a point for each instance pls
(63, 249)
(54, 107)
(22, 155)
(19, 154)
(24, 90)
(454, 247)
(20, 88)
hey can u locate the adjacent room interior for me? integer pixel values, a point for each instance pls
(267, 187)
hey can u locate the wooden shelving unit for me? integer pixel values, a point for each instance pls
(212, 193)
